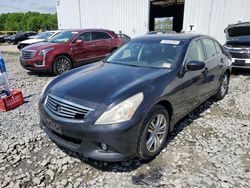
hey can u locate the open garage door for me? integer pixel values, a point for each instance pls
(166, 15)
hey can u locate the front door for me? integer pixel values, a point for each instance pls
(194, 79)
(82, 51)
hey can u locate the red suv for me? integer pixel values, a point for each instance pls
(69, 49)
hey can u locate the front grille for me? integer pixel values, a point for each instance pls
(240, 55)
(65, 108)
(28, 54)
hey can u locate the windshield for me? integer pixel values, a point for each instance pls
(63, 37)
(154, 54)
(45, 35)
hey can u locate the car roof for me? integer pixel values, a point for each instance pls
(53, 31)
(171, 36)
(82, 30)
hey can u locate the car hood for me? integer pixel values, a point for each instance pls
(40, 46)
(103, 83)
(32, 41)
(238, 34)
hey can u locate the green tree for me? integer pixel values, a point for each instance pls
(27, 21)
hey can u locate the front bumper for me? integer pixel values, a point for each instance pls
(121, 139)
(37, 64)
(241, 63)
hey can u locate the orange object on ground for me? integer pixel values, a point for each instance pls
(12, 101)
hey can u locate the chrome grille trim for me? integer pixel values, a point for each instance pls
(28, 54)
(66, 109)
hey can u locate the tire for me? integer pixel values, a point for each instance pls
(61, 64)
(223, 88)
(148, 147)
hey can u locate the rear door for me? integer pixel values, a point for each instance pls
(103, 43)
(214, 64)
(82, 51)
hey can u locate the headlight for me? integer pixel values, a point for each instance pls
(122, 111)
(45, 86)
(45, 51)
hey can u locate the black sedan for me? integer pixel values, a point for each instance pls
(2, 39)
(15, 39)
(126, 105)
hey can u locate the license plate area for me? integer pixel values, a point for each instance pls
(240, 62)
(53, 126)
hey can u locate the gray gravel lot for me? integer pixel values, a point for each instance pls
(4, 47)
(208, 148)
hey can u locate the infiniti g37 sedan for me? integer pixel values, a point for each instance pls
(126, 105)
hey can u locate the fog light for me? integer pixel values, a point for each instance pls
(104, 146)
(39, 64)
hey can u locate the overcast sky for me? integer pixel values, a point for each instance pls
(44, 6)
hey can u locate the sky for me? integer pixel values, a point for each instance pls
(43, 6)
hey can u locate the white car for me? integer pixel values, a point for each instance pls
(41, 37)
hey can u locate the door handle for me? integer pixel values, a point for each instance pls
(92, 45)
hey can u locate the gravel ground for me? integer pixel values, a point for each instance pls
(208, 148)
(4, 47)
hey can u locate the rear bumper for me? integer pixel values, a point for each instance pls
(121, 139)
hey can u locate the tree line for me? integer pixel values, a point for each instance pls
(29, 21)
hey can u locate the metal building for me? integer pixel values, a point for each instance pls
(137, 17)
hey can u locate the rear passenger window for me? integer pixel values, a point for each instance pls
(210, 48)
(195, 52)
(100, 36)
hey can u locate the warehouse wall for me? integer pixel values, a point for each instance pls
(211, 17)
(129, 16)
(68, 14)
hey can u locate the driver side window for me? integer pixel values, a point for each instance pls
(195, 52)
(86, 37)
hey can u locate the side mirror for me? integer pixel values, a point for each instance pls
(79, 41)
(195, 65)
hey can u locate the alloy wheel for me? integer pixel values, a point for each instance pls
(156, 132)
(62, 65)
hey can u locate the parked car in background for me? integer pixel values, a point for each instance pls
(126, 105)
(15, 39)
(8, 37)
(124, 37)
(69, 49)
(238, 44)
(2, 39)
(41, 37)
(161, 32)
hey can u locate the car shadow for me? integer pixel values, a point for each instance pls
(40, 74)
(244, 72)
(132, 164)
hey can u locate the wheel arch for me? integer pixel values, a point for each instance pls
(66, 55)
(169, 107)
(228, 72)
